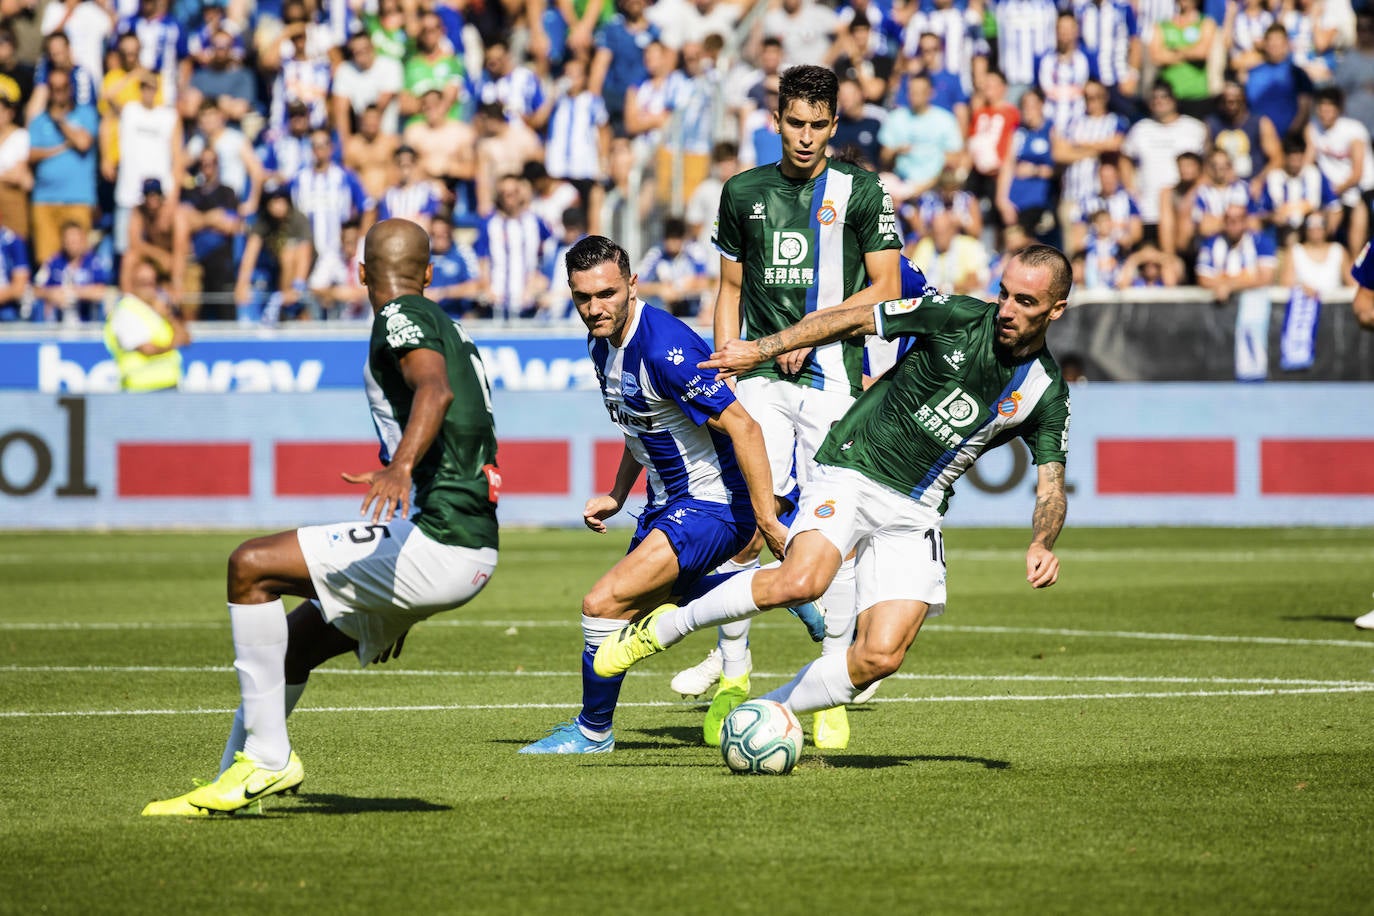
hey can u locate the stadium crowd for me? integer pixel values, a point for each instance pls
(244, 149)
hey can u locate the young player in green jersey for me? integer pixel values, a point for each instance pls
(795, 236)
(978, 375)
(367, 582)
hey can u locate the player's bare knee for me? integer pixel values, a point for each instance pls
(246, 566)
(797, 586)
(600, 602)
(869, 663)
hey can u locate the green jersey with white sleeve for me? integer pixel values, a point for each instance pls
(801, 245)
(952, 397)
(456, 481)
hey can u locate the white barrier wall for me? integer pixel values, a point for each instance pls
(1160, 454)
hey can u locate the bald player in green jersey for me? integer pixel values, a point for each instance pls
(366, 582)
(977, 375)
(795, 236)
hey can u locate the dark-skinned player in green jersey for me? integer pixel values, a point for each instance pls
(366, 582)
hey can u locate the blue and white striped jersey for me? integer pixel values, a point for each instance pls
(572, 150)
(513, 246)
(329, 199)
(661, 401)
(1247, 30)
(1107, 28)
(962, 32)
(1080, 178)
(1219, 258)
(1063, 79)
(14, 256)
(1211, 200)
(1308, 185)
(519, 91)
(285, 154)
(304, 81)
(1025, 31)
(415, 202)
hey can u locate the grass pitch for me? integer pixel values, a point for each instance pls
(1183, 724)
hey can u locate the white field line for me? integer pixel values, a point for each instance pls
(455, 621)
(477, 707)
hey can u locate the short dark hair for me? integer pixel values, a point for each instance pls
(1294, 142)
(724, 150)
(1333, 94)
(1061, 272)
(809, 83)
(675, 227)
(595, 250)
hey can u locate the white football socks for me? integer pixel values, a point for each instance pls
(237, 733)
(260, 635)
(732, 600)
(823, 684)
(838, 602)
(595, 630)
(734, 649)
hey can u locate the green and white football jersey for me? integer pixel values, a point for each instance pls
(951, 398)
(456, 481)
(801, 245)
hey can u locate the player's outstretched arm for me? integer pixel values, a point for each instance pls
(822, 327)
(600, 508)
(1051, 506)
(388, 489)
(747, 439)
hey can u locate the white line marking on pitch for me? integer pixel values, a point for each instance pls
(71, 714)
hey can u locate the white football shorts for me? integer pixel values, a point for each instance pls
(375, 582)
(901, 554)
(794, 420)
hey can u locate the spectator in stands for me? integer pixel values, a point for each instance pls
(1218, 191)
(1355, 71)
(16, 76)
(84, 27)
(224, 80)
(329, 196)
(1277, 88)
(806, 27)
(200, 40)
(1179, 49)
(150, 146)
(688, 158)
(122, 84)
(618, 63)
(240, 170)
(207, 226)
(1025, 33)
(370, 153)
(1127, 230)
(769, 63)
(1111, 39)
(857, 125)
(366, 79)
(1313, 38)
(1154, 144)
(960, 29)
(444, 148)
(761, 143)
(946, 89)
(1342, 151)
(1097, 134)
(387, 29)
(14, 275)
(334, 281)
(517, 88)
(919, 141)
(555, 299)
(1176, 207)
(412, 197)
(509, 248)
(579, 139)
(161, 42)
(62, 151)
(1063, 75)
(503, 148)
(16, 178)
(304, 71)
(1298, 190)
(71, 287)
(681, 21)
(152, 226)
(58, 56)
(705, 200)
(1248, 138)
(550, 197)
(433, 67)
(1102, 253)
(457, 284)
(649, 106)
(861, 54)
(1236, 259)
(953, 262)
(1025, 188)
(1246, 23)
(1149, 267)
(673, 275)
(286, 153)
(272, 272)
(947, 196)
(1313, 264)
(145, 333)
(994, 122)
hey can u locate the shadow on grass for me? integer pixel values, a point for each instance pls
(313, 803)
(1345, 619)
(883, 761)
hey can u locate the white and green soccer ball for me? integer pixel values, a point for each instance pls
(761, 737)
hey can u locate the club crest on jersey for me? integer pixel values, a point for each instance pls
(1007, 406)
(401, 332)
(826, 509)
(674, 356)
(629, 385)
(827, 214)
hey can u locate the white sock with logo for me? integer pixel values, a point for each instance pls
(838, 602)
(260, 636)
(823, 684)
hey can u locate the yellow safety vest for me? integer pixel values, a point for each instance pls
(136, 371)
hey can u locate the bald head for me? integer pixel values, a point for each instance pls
(395, 260)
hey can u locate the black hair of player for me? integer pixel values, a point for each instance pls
(595, 250)
(808, 83)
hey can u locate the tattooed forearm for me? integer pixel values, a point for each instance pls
(1051, 506)
(817, 328)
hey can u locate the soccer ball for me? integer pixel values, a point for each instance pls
(762, 737)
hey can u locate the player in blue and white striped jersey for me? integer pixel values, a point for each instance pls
(1025, 31)
(709, 481)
